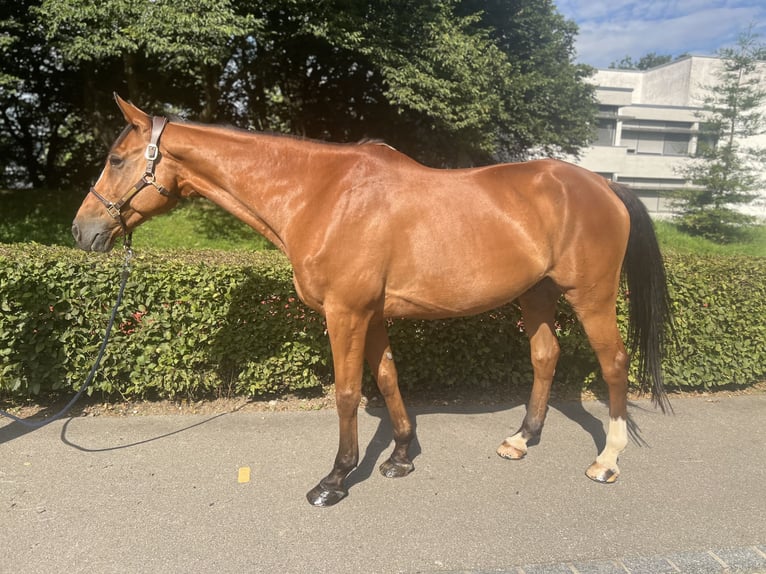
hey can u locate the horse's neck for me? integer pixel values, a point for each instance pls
(252, 176)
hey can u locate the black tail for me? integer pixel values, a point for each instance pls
(650, 319)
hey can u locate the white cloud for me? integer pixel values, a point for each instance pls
(610, 31)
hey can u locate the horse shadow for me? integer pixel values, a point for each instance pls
(382, 440)
(15, 429)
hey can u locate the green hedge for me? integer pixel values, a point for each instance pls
(196, 324)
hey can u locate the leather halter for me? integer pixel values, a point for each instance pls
(152, 153)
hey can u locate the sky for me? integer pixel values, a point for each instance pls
(611, 30)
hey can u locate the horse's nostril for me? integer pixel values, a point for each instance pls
(76, 232)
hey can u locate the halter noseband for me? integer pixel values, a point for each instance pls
(152, 153)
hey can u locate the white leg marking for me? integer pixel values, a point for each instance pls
(513, 447)
(517, 441)
(616, 441)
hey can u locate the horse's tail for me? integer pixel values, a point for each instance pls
(649, 301)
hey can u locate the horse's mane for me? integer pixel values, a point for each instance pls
(232, 128)
(173, 118)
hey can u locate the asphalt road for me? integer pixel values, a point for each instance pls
(171, 494)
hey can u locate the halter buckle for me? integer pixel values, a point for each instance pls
(113, 210)
(152, 152)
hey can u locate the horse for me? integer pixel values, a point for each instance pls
(372, 234)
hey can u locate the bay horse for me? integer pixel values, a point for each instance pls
(372, 234)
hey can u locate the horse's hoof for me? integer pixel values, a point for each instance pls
(393, 469)
(507, 450)
(600, 473)
(322, 496)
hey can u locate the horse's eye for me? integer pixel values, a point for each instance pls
(115, 161)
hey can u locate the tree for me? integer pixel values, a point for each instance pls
(646, 62)
(450, 82)
(410, 72)
(37, 113)
(724, 172)
(62, 60)
(154, 42)
(548, 107)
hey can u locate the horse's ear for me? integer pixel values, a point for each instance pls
(133, 115)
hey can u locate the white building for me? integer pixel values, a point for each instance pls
(649, 125)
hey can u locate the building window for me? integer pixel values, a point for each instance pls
(707, 141)
(676, 144)
(605, 132)
(656, 137)
(642, 142)
(656, 193)
(607, 125)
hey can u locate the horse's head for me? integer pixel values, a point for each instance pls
(134, 185)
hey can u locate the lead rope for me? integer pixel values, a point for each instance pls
(89, 379)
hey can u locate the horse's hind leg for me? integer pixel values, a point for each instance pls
(600, 323)
(381, 361)
(538, 307)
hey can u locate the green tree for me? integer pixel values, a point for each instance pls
(155, 41)
(446, 77)
(450, 82)
(38, 116)
(724, 172)
(410, 72)
(548, 107)
(62, 60)
(645, 62)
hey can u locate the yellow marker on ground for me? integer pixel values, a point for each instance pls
(243, 475)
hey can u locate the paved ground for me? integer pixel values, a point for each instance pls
(171, 494)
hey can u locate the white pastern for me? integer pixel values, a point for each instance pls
(513, 447)
(616, 441)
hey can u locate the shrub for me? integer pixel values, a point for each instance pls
(214, 323)
(719, 305)
(195, 324)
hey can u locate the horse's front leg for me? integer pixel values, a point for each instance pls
(347, 332)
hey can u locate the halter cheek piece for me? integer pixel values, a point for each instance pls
(152, 154)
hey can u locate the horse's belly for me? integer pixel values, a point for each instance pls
(455, 296)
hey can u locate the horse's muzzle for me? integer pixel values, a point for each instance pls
(93, 235)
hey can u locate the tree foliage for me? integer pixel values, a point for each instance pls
(725, 171)
(645, 62)
(39, 132)
(455, 82)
